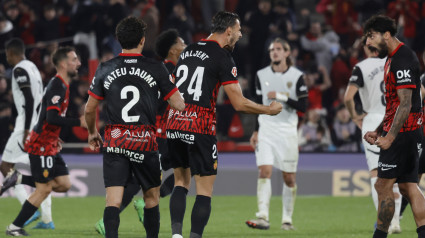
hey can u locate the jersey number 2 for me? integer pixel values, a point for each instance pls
(197, 77)
(129, 105)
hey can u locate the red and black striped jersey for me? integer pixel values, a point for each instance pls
(402, 71)
(201, 70)
(131, 85)
(43, 139)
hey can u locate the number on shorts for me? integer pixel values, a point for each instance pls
(46, 162)
(214, 153)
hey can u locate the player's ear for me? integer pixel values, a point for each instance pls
(142, 41)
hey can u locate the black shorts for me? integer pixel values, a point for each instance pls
(118, 168)
(163, 154)
(46, 168)
(401, 159)
(195, 151)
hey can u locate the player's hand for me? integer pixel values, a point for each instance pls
(95, 141)
(271, 95)
(83, 122)
(371, 137)
(59, 146)
(385, 142)
(275, 108)
(26, 132)
(359, 120)
(254, 139)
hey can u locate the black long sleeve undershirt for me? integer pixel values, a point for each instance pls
(29, 106)
(54, 119)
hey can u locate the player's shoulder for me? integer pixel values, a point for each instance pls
(265, 70)
(371, 62)
(56, 83)
(404, 54)
(293, 70)
(24, 65)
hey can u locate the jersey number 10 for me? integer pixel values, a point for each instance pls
(197, 77)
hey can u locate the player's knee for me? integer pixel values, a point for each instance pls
(404, 190)
(265, 173)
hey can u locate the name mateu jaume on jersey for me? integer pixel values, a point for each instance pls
(133, 79)
(210, 66)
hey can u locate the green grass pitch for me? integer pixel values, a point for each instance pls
(330, 217)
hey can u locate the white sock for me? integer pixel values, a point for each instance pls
(396, 217)
(288, 202)
(264, 192)
(13, 227)
(46, 209)
(20, 193)
(374, 193)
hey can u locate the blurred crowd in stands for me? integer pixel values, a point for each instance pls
(323, 34)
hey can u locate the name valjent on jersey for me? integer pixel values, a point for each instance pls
(133, 71)
(200, 54)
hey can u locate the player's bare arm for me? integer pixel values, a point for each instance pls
(242, 104)
(94, 139)
(422, 92)
(403, 110)
(176, 101)
(351, 105)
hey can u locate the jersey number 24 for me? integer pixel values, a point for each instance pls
(195, 84)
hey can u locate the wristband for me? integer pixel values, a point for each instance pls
(281, 97)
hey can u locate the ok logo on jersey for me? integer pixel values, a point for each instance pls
(403, 74)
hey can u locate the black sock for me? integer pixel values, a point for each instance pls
(200, 214)
(111, 219)
(28, 180)
(167, 186)
(421, 231)
(129, 192)
(26, 212)
(379, 234)
(151, 221)
(404, 203)
(177, 209)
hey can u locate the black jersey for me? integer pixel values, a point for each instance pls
(162, 114)
(43, 139)
(202, 68)
(402, 71)
(131, 85)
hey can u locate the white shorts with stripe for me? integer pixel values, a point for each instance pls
(14, 150)
(370, 122)
(278, 147)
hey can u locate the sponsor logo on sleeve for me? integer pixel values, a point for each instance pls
(353, 78)
(55, 99)
(234, 72)
(403, 76)
(22, 79)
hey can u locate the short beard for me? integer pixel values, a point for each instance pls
(229, 48)
(72, 75)
(383, 50)
(276, 62)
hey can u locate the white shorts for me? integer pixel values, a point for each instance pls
(370, 123)
(14, 151)
(278, 147)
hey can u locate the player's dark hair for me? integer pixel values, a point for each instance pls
(165, 41)
(16, 46)
(286, 47)
(381, 24)
(130, 31)
(222, 20)
(61, 54)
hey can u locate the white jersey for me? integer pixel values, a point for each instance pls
(368, 76)
(290, 83)
(26, 74)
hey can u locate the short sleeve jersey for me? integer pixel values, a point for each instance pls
(26, 75)
(43, 139)
(402, 71)
(131, 85)
(368, 76)
(163, 109)
(202, 68)
(291, 83)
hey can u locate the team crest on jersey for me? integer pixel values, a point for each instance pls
(46, 173)
(289, 84)
(115, 133)
(55, 99)
(234, 72)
